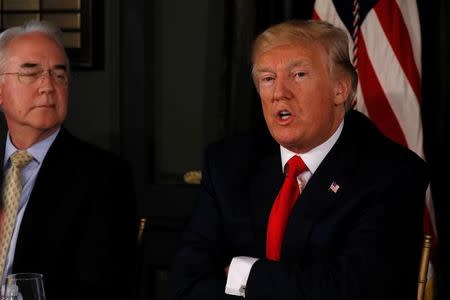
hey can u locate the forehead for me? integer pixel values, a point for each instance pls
(293, 54)
(36, 48)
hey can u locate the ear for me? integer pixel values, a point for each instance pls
(1, 92)
(342, 88)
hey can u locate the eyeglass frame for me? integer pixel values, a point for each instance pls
(41, 75)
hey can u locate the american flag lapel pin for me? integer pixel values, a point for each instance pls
(334, 187)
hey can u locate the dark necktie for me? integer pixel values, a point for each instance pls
(282, 207)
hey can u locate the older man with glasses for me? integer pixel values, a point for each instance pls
(67, 206)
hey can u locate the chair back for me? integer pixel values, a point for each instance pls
(422, 292)
(141, 229)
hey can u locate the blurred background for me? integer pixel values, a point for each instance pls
(157, 80)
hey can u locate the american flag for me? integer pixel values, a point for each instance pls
(334, 187)
(385, 46)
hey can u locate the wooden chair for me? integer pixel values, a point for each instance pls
(142, 278)
(425, 287)
(141, 229)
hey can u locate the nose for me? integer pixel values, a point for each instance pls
(46, 85)
(281, 89)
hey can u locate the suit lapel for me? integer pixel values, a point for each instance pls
(264, 187)
(322, 193)
(3, 135)
(47, 196)
(2, 156)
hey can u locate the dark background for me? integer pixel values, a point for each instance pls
(191, 85)
(172, 76)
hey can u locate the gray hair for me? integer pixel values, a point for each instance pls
(44, 27)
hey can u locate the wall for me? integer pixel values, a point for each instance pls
(185, 61)
(94, 94)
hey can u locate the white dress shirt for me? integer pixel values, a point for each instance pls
(240, 266)
(29, 174)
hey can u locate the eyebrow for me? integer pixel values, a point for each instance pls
(262, 69)
(60, 67)
(34, 65)
(298, 63)
(28, 65)
(289, 66)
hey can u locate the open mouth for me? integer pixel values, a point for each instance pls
(284, 114)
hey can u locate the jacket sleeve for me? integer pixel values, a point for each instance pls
(197, 271)
(378, 257)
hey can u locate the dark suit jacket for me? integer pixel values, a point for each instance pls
(78, 227)
(361, 242)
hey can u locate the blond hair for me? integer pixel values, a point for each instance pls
(333, 39)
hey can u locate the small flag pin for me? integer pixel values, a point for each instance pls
(334, 187)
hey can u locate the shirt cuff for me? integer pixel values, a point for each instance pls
(238, 275)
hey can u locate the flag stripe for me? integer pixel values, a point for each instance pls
(315, 16)
(396, 87)
(324, 11)
(360, 102)
(375, 99)
(395, 29)
(389, 70)
(410, 15)
(327, 12)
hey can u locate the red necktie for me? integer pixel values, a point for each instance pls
(282, 207)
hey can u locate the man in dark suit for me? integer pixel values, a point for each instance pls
(76, 218)
(354, 232)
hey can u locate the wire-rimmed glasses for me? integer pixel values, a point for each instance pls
(58, 76)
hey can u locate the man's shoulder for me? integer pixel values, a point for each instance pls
(379, 148)
(231, 163)
(242, 147)
(82, 152)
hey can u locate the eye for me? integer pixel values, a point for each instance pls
(266, 79)
(34, 74)
(300, 74)
(29, 77)
(60, 74)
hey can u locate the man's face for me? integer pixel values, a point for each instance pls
(36, 108)
(302, 104)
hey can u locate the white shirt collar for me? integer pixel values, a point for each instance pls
(38, 150)
(314, 157)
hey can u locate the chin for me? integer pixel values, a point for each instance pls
(46, 125)
(288, 143)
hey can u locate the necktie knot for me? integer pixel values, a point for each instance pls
(20, 159)
(295, 166)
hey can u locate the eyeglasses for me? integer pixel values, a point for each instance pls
(58, 76)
